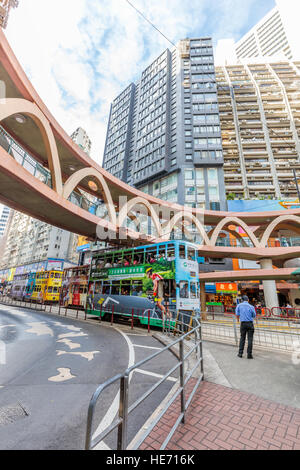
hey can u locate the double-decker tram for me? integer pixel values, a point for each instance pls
(47, 286)
(19, 286)
(30, 286)
(150, 283)
(74, 287)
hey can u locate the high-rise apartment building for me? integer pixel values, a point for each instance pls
(276, 35)
(29, 240)
(4, 220)
(81, 138)
(268, 38)
(164, 131)
(260, 120)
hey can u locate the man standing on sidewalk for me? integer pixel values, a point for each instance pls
(246, 314)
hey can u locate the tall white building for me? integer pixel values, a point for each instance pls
(29, 241)
(4, 220)
(81, 138)
(275, 35)
(268, 38)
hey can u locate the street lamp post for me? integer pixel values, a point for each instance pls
(296, 182)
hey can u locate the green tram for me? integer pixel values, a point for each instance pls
(148, 283)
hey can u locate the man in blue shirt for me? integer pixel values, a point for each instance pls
(246, 314)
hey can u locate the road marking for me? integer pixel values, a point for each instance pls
(68, 327)
(69, 343)
(6, 326)
(64, 374)
(135, 334)
(114, 407)
(16, 312)
(39, 329)
(146, 372)
(146, 347)
(71, 335)
(89, 355)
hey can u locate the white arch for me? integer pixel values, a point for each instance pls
(126, 209)
(167, 228)
(13, 106)
(80, 175)
(271, 227)
(235, 221)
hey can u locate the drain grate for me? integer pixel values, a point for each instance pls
(12, 413)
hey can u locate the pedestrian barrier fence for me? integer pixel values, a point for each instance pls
(126, 409)
(273, 333)
(276, 329)
(285, 312)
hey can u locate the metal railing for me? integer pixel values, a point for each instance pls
(23, 158)
(39, 171)
(246, 242)
(125, 409)
(41, 306)
(271, 333)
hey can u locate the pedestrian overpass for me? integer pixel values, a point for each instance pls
(44, 174)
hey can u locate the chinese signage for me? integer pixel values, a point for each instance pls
(226, 288)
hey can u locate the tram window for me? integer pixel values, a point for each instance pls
(91, 288)
(127, 261)
(184, 290)
(100, 263)
(55, 290)
(108, 263)
(191, 254)
(151, 255)
(182, 252)
(138, 257)
(115, 288)
(136, 288)
(106, 289)
(193, 290)
(57, 275)
(50, 290)
(171, 252)
(98, 288)
(125, 288)
(162, 252)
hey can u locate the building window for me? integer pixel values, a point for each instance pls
(189, 175)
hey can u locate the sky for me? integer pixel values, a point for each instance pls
(80, 57)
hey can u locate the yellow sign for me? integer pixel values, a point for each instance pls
(82, 241)
(11, 274)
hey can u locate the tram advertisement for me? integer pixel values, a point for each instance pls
(143, 288)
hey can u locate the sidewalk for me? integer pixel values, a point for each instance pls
(242, 405)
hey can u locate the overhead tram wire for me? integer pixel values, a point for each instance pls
(171, 42)
(148, 21)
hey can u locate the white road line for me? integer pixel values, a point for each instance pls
(135, 334)
(146, 347)
(114, 407)
(146, 372)
(64, 374)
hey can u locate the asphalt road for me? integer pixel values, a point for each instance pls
(49, 368)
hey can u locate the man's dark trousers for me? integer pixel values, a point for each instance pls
(247, 329)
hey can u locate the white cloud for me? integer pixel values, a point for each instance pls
(81, 54)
